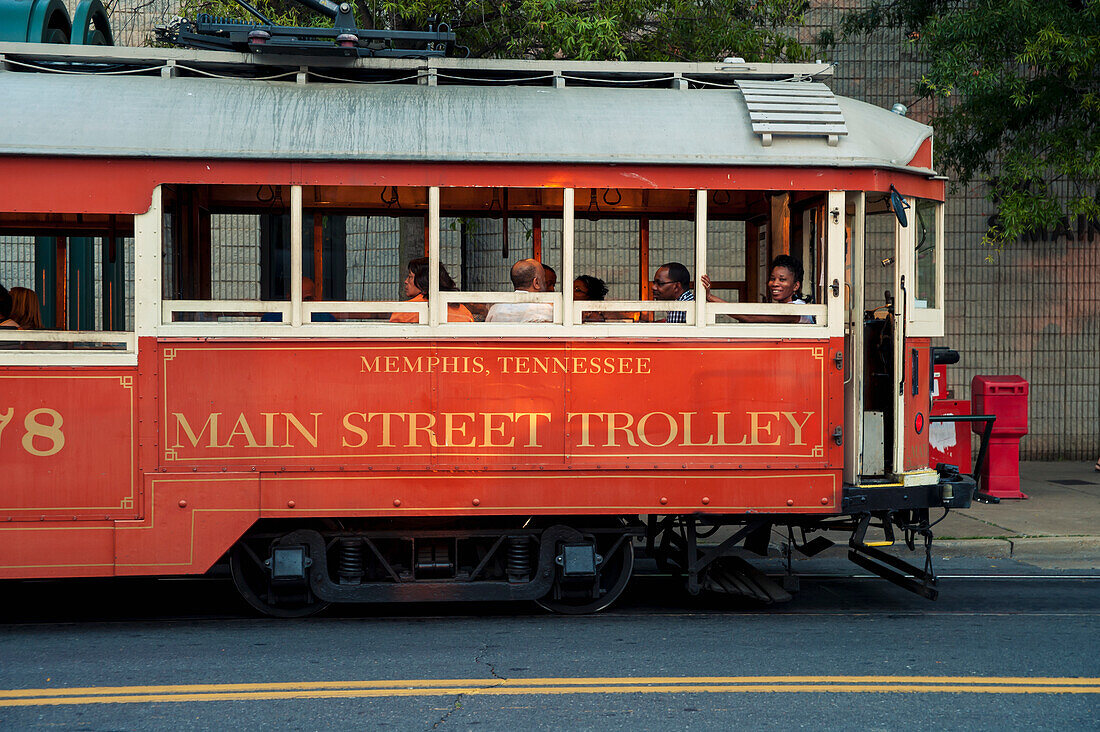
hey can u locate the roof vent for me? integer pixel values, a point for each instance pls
(796, 108)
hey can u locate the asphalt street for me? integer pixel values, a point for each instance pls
(1005, 645)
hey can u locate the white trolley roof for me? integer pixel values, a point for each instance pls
(168, 103)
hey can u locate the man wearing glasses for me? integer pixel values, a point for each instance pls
(672, 281)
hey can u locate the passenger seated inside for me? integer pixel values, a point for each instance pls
(551, 277)
(25, 310)
(590, 289)
(672, 281)
(784, 287)
(416, 289)
(527, 275)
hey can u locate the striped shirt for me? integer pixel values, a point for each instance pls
(680, 316)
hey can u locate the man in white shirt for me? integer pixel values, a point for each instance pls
(527, 276)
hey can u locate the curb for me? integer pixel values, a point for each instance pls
(1020, 548)
(1023, 548)
(1056, 547)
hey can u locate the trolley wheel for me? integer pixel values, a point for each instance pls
(614, 575)
(253, 581)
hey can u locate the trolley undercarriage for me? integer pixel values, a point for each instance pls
(571, 564)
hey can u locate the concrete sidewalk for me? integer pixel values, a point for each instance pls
(1058, 526)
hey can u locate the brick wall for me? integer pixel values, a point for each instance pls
(1031, 310)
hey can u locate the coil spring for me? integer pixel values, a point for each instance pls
(350, 567)
(519, 558)
(221, 20)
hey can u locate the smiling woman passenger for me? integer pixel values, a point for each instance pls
(784, 287)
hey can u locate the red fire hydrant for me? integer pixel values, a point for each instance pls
(1006, 398)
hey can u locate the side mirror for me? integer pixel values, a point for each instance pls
(899, 205)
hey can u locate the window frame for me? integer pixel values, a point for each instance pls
(81, 357)
(923, 322)
(701, 317)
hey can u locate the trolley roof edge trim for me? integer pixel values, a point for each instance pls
(508, 159)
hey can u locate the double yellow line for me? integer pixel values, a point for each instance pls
(539, 687)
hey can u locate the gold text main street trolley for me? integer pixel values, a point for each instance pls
(229, 369)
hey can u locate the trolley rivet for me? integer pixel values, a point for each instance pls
(476, 501)
(397, 501)
(824, 501)
(790, 501)
(705, 500)
(664, 500)
(291, 504)
(183, 503)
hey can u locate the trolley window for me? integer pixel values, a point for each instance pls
(219, 243)
(642, 245)
(68, 282)
(500, 255)
(246, 258)
(926, 314)
(360, 245)
(767, 257)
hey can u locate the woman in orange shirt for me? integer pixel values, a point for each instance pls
(416, 289)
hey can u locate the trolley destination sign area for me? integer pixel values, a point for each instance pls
(495, 406)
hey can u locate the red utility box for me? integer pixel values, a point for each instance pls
(1006, 398)
(949, 442)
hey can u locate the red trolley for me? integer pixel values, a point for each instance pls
(230, 372)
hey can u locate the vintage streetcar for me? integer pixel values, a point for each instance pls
(231, 371)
